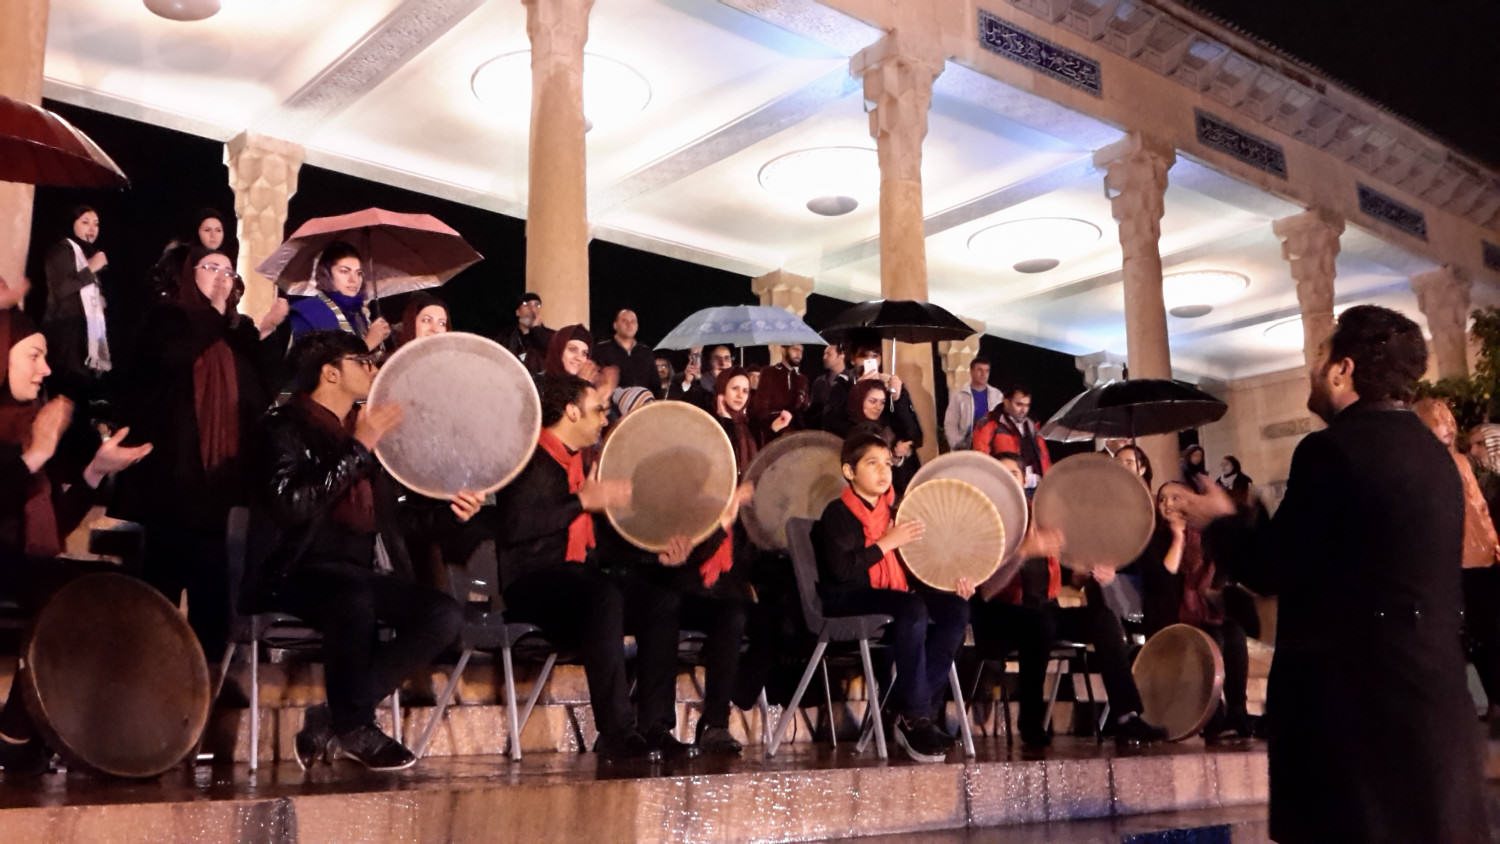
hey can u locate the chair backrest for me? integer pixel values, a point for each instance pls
(478, 574)
(805, 565)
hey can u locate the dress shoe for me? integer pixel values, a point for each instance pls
(662, 739)
(624, 747)
(370, 747)
(1135, 730)
(717, 740)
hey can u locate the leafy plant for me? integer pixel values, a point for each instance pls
(1475, 399)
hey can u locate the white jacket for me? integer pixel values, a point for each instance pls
(958, 422)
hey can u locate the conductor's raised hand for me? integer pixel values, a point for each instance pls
(466, 504)
(373, 423)
(1209, 503)
(596, 495)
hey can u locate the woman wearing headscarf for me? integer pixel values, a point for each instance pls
(40, 504)
(209, 232)
(1194, 463)
(339, 304)
(74, 319)
(202, 379)
(425, 315)
(871, 410)
(731, 396)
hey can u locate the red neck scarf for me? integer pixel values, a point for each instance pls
(216, 404)
(721, 562)
(887, 573)
(581, 531)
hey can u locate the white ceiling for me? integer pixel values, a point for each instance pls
(381, 89)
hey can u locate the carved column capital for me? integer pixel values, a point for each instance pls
(898, 93)
(1443, 296)
(957, 355)
(263, 173)
(784, 290)
(1310, 245)
(1135, 180)
(557, 28)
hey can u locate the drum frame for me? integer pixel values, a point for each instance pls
(1217, 685)
(785, 444)
(999, 558)
(1145, 498)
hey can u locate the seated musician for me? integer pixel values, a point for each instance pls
(40, 504)
(859, 573)
(319, 482)
(1026, 614)
(1179, 580)
(543, 537)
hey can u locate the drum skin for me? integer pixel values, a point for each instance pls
(1105, 513)
(1003, 490)
(682, 471)
(796, 476)
(964, 534)
(1180, 675)
(471, 415)
(114, 678)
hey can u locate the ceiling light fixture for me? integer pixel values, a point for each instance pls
(1195, 293)
(828, 181)
(184, 10)
(1034, 245)
(613, 92)
(1287, 333)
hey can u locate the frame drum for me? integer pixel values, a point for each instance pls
(1105, 513)
(964, 535)
(114, 678)
(1003, 490)
(682, 471)
(471, 415)
(1180, 674)
(796, 476)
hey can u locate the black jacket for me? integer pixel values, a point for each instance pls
(529, 346)
(616, 554)
(533, 513)
(1372, 731)
(300, 472)
(637, 366)
(844, 558)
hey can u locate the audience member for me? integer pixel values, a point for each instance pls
(872, 412)
(622, 351)
(339, 304)
(423, 316)
(834, 366)
(528, 340)
(1009, 430)
(967, 408)
(74, 321)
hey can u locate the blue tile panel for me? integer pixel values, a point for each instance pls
(1039, 54)
(1225, 137)
(1392, 212)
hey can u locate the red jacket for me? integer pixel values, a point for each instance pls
(996, 435)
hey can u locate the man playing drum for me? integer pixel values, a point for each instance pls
(859, 573)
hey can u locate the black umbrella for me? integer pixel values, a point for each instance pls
(903, 320)
(1137, 408)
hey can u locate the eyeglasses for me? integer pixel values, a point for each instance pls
(368, 361)
(220, 269)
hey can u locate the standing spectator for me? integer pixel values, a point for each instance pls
(633, 360)
(339, 304)
(209, 232)
(1134, 458)
(834, 365)
(1009, 428)
(782, 389)
(77, 338)
(967, 408)
(667, 385)
(424, 315)
(871, 411)
(1194, 463)
(529, 339)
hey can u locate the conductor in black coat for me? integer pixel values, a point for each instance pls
(1372, 731)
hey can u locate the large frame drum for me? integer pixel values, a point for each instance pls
(796, 476)
(1180, 675)
(1105, 513)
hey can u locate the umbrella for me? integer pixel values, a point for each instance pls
(402, 252)
(1137, 408)
(740, 325)
(39, 148)
(903, 320)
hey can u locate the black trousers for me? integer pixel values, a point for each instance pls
(724, 621)
(349, 604)
(1032, 630)
(1230, 637)
(578, 606)
(192, 559)
(1482, 626)
(926, 632)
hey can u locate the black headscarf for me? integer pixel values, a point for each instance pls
(89, 249)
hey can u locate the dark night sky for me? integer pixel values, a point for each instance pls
(1435, 62)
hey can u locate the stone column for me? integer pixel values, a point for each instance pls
(898, 91)
(1135, 180)
(1310, 243)
(23, 45)
(783, 290)
(263, 173)
(1443, 296)
(557, 226)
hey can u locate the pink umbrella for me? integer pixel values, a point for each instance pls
(39, 148)
(402, 252)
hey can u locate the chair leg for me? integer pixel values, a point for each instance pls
(833, 731)
(1005, 706)
(444, 698)
(536, 691)
(867, 724)
(791, 709)
(396, 715)
(511, 710)
(765, 715)
(1088, 685)
(873, 697)
(192, 757)
(963, 712)
(1052, 696)
(254, 704)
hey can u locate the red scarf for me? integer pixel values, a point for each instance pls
(581, 531)
(216, 404)
(721, 562)
(887, 573)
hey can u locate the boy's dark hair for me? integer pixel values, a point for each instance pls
(1008, 455)
(858, 445)
(559, 391)
(317, 349)
(1387, 348)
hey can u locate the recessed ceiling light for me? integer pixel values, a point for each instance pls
(1287, 333)
(1034, 245)
(1191, 311)
(1202, 287)
(828, 181)
(184, 10)
(613, 92)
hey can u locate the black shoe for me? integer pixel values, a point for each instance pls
(25, 759)
(370, 747)
(311, 744)
(1135, 730)
(717, 740)
(624, 747)
(662, 740)
(920, 739)
(1035, 738)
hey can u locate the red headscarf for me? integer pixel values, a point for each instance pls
(887, 572)
(16, 417)
(742, 437)
(560, 340)
(581, 530)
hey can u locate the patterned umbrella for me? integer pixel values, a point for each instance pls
(39, 148)
(740, 325)
(402, 252)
